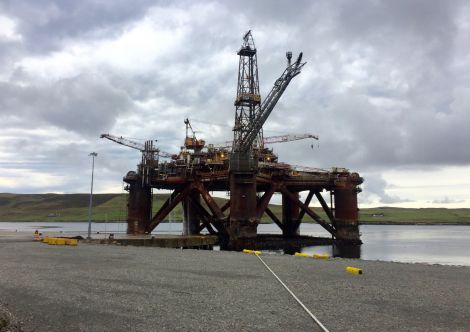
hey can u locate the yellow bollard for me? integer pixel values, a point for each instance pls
(249, 251)
(301, 254)
(353, 270)
(321, 256)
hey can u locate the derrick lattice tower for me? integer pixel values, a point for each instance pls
(248, 99)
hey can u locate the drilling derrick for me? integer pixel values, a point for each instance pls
(250, 116)
(248, 99)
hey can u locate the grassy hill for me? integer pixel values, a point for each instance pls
(112, 207)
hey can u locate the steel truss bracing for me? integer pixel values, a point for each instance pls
(214, 218)
(252, 181)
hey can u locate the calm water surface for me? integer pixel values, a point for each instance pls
(448, 245)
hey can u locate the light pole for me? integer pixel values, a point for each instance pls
(93, 155)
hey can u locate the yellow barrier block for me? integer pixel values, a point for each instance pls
(248, 251)
(321, 256)
(353, 270)
(51, 241)
(45, 240)
(60, 241)
(301, 254)
(71, 242)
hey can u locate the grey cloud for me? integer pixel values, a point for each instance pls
(447, 200)
(85, 104)
(376, 185)
(381, 87)
(46, 24)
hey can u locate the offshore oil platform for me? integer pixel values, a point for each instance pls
(245, 169)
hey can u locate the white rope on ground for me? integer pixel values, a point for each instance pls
(315, 319)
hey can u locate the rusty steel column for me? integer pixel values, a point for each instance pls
(243, 221)
(190, 219)
(139, 207)
(290, 216)
(346, 212)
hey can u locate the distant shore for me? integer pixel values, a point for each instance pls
(366, 222)
(74, 208)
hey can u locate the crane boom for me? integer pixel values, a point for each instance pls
(254, 127)
(135, 145)
(126, 142)
(272, 140)
(287, 138)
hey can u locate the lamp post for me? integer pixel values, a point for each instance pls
(93, 155)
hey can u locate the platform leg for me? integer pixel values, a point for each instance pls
(139, 208)
(346, 214)
(243, 215)
(290, 215)
(191, 220)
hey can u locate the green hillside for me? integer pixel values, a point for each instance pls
(112, 207)
(423, 215)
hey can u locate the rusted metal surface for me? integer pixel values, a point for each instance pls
(325, 207)
(290, 216)
(306, 203)
(175, 198)
(231, 219)
(346, 213)
(243, 219)
(250, 172)
(308, 211)
(139, 207)
(191, 220)
(263, 202)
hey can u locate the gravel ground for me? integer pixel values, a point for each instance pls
(8, 322)
(116, 288)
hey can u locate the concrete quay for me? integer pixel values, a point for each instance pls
(94, 287)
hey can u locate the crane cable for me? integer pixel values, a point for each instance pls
(315, 319)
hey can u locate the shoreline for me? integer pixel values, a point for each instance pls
(381, 223)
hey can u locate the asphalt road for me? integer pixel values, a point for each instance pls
(116, 288)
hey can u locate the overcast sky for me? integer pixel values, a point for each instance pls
(386, 87)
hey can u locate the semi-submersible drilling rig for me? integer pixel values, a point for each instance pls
(248, 170)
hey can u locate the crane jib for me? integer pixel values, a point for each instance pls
(269, 103)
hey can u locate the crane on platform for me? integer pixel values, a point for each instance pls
(272, 140)
(136, 145)
(191, 142)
